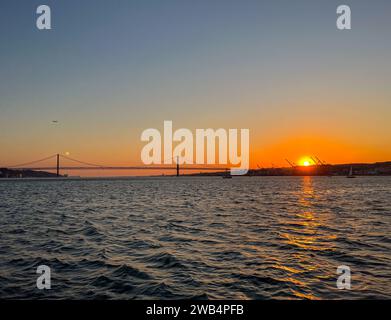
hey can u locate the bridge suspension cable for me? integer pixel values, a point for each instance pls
(90, 166)
(82, 162)
(30, 163)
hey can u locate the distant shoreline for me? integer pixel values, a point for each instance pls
(359, 169)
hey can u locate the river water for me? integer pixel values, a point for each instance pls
(196, 237)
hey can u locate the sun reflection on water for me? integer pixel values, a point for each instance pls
(304, 231)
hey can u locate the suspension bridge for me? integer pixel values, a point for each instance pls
(81, 165)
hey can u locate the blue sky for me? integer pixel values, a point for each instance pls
(110, 69)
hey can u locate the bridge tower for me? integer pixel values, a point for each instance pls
(58, 165)
(177, 166)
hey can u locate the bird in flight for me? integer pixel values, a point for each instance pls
(54, 121)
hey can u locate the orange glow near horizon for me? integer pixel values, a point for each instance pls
(264, 152)
(299, 149)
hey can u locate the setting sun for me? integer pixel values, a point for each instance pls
(305, 162)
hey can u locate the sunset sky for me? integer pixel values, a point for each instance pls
(110, 69)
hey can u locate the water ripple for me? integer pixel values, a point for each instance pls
(199, 238)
